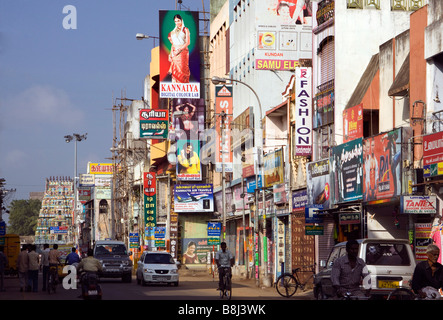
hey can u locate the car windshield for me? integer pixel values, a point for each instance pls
(156, 258)
(111, 249)
(387, 254)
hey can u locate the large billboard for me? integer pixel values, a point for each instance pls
(193, 198)
(283, 34)
(188, 160)
(179, 54)
(346, 171)
(382, 166)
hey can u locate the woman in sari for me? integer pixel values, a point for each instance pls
(179, 56)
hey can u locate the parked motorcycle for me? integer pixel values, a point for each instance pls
(91, 288)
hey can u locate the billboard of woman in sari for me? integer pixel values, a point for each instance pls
(179, 55)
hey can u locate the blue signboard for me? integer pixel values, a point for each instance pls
(214, 229)
(250, 184)
(311, 215)
(159, 232)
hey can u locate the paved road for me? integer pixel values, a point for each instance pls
(196, 286)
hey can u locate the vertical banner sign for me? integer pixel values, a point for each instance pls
(303, 111)
(150, 199)
(353, 123)
(179, 54)
(154, 123)
(223, 103)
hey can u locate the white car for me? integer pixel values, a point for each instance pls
(157, 267)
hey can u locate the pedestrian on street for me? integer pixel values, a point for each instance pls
(34, 266)
(45, 265)
(23, 267)
(3, 265)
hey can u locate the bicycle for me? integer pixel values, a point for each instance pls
(52, 279)
(288, 283)
(226, 289)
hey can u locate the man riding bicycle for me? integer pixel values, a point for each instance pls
(224, 259)
(54, 256)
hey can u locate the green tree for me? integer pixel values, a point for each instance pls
(23, 215)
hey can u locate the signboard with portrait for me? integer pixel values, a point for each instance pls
(382, 166)
(188, 160)
(179, 54)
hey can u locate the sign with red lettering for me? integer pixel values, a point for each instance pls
(419, 204)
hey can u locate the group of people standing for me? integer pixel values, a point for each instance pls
(29, 262)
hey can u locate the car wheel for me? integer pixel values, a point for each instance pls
(176, 284)
(137, 278)
(144, 283)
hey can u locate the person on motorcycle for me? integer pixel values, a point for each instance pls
(428, 275)
(223, 258)
(90, 264)
(349, 271)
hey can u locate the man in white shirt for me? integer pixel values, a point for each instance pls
(45, 264)
(223, 258)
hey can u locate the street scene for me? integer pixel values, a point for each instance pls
(269, 151)
(193, 287)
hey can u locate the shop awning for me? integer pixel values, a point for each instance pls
(365, 83)
(400, 86)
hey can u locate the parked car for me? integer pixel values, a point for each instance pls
(114, 258)
(157, 267)
(390, 262)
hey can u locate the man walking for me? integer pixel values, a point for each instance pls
(23, 267)
(34, 265)
(45, 265)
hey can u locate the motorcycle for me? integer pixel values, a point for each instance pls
(91, 288)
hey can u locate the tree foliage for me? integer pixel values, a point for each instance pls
(23, 215)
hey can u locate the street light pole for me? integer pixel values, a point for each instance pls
(217, 80)
(76, 137)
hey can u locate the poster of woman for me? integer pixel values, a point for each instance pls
(179, 55)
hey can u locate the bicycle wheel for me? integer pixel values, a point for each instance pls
(228, 288)
(286, 285)
(50, 282)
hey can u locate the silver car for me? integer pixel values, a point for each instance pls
(391, 264)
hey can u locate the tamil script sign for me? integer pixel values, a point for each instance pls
(154, 123)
